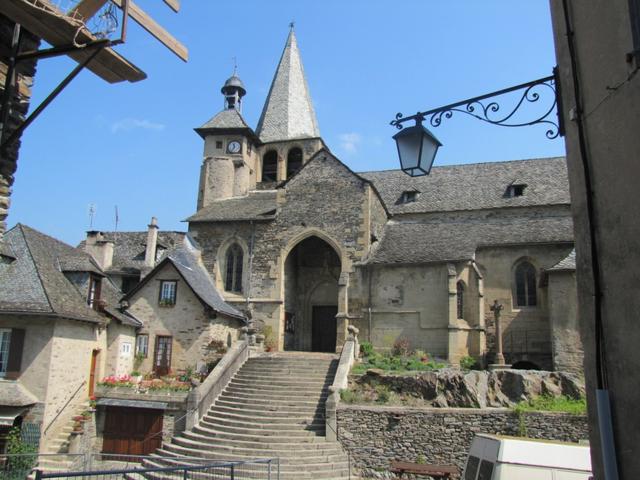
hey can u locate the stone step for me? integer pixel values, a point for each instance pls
(216, 437)
(309, 408)
(197, 449)
(263, 402)
(293, 390)
(244, 393)
(165, 456)
(203, 442)
(279, 382)
(302, 378)
(236, 421)
(223, 431)
(269, 416)
(274, 369)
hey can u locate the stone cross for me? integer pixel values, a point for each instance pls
(496, 308)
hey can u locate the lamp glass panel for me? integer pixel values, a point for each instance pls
(409, 149)
(429, 149)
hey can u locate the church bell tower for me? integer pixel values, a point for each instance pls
(228, 165)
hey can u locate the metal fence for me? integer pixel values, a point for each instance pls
(112, 467)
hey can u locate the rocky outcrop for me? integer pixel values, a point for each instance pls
(477, 389)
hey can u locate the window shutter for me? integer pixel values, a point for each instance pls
(15, 353)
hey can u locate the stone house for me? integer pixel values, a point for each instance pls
(183, 319)
(306, 246)
(57, 309)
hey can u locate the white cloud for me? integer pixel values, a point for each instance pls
(350, 141)
(128, 124)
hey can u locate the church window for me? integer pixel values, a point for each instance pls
(219, 144)
(526, 295)
(460, 299)
(294, 161)
(270, 166)
(515, 190)
(233, 277)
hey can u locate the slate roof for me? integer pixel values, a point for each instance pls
(129, 248)
(14, 394)
(475, 186)
(257, 205)
(412, 242)
(226, 119)
(566, 264)
(35, 283)
(186, 259)
(288, 111)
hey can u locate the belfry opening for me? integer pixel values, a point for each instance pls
(311, 274)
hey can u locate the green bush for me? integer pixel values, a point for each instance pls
(349, 396)
(547, 403)
(19, 467)
(468, 363)
(366, 349)
(383, 394)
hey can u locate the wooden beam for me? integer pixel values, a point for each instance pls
(41, 19)
(86, 9)
(150, 25)
(173, 4)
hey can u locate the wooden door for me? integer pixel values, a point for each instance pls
(132, 431)
(162, 355)
(324, 328)
(92, 372)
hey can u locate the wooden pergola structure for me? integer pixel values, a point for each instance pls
(68, 34)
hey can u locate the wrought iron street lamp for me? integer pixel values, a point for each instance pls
(417, 146)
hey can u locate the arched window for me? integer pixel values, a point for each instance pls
(270, 166)
(294, 161)
(526, 295)
(233, 277)
(460, 298)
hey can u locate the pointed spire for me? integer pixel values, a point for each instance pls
(288, 112)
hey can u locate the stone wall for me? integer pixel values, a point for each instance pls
(377, 435)
(20, 105)
(568, 353)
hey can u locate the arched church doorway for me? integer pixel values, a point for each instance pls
(311, 273)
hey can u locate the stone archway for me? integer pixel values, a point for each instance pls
(311, 296)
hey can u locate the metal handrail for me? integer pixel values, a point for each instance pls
(64, 407)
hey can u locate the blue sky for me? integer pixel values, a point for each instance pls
(133, 145)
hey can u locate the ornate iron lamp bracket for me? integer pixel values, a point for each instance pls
(491, 112)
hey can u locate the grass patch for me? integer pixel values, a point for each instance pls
(417, 362)
(545, 403)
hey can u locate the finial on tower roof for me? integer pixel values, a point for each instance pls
(292, 25)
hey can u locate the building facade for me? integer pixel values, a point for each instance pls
(305, 246)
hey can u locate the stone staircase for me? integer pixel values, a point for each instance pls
(56, 456)
(273, 407)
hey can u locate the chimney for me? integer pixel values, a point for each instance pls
(99, 248)
(152, 243)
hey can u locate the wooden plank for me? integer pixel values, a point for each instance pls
(87, 8)
(173, 4)
(42, 21)
(150, 25)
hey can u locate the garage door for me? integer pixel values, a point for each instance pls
(132, 431)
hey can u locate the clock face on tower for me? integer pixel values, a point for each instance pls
(234, 147)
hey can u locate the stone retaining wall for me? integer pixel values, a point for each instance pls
(376, 435)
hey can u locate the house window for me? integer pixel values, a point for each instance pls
(294, 161)
(219, 144)
(460, 299)
(142, 346)
(168, 289)
(129, 283)
(515, 190)
(125, 349)
(270, 166)
(5, 342)
(409, 196)
(233, 277)
(526, 295)
(95, 284)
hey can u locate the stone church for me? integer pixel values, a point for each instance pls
(304, 245)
